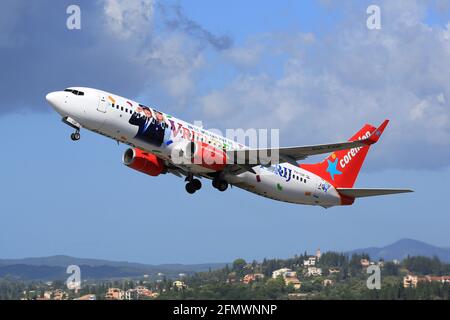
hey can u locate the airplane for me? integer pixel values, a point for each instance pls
(161, 144)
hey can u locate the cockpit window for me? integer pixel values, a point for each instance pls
(75, 92)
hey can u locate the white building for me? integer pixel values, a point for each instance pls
(294, 282)
(180, 285)
(310, 262)
(47, 295)
(313, 271)
(281, 272)
(115, 294)
(327, 282)
(290, 274)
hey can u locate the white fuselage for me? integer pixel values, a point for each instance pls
(109, 115)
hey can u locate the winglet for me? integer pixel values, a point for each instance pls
(375, 136)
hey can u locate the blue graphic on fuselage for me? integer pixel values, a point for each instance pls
(281, 171)
(324, 186)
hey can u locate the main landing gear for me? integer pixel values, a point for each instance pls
(220, 184)
(193, 185)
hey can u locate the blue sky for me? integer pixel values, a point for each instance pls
(310, 68)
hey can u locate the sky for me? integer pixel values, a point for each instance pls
(309, 68)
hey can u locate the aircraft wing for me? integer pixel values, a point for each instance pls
(363, 193)
(293, 154)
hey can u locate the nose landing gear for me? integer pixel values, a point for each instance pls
(72, 123)
(75, 136)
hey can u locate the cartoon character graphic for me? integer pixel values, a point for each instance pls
(151, 129)
(324, 187)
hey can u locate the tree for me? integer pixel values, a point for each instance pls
(391, 269)
(423, 265)
(238, 266)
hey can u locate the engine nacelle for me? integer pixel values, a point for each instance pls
(144, 162)
(201, 154)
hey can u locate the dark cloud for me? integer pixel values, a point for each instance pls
(38, 54)
(175, 19)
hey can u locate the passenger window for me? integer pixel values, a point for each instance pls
(126, 110)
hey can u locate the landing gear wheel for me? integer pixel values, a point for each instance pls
(190, 188)
(197, 184)
(222, 185)
(215, 183)
(75, 136)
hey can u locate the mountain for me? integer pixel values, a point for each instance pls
(402, 248)
(54, 268)
(61, 261)
(64, 261)
(30, 272)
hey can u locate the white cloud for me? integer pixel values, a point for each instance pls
(171, 59)
(174, 60)
(315, 88)
(117, 50)
(127, 18)
(331, 86)
(446, 32)
(247, 57)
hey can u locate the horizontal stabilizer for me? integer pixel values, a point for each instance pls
(362, 193)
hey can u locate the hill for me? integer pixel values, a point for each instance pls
(54, 268)
(402, 248)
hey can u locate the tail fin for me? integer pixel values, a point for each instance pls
(342, 167)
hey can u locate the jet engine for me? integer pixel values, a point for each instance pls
(144, 162)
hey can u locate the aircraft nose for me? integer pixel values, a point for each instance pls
(51, 98)
(56, 100)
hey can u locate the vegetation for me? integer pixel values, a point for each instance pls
(342, 277)
(348, 283)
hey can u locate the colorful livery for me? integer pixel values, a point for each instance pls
(162, 144)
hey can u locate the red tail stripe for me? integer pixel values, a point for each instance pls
(341, 168)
